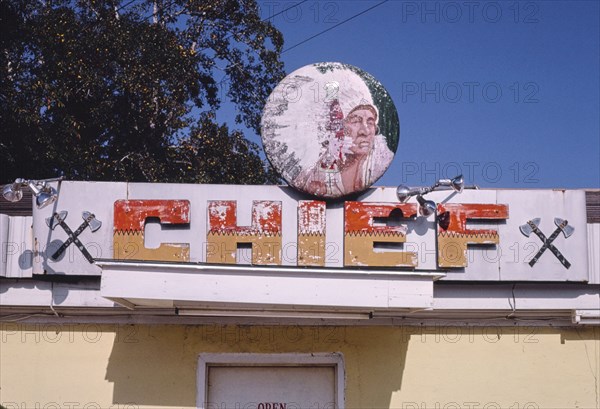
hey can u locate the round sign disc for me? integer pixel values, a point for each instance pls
(330, 129)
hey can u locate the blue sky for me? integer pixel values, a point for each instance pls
(506, 92)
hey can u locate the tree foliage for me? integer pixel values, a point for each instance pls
(128, 90)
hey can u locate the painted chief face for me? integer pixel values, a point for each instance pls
(360, 125)
(334, 145)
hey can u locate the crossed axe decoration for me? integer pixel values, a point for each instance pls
(58, 219)
(562, 226)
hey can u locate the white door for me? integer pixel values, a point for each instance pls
(270, 381)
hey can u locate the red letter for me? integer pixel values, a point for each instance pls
(361, 234)
(453, 235)
(129, 223)
(264, 233)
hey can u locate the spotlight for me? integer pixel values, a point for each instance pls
(456, 183)
(404, 192)
(12, 192)
(43, 192)
(426, 207)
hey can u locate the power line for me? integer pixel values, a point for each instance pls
(284, 10)
(227, 79)
(262, 21)
(335, 26)
(124, 5)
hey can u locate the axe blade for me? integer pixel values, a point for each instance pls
(94, 223)
(526, 228)
(56, 219)
(564, 226)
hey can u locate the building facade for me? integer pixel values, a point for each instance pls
(125, 295)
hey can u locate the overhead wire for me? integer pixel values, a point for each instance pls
(226, 79)
(335, 26)
(312, 37)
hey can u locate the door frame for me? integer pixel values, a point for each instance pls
(334, 359)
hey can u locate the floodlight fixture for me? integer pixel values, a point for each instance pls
(43, 192)
(427, 207)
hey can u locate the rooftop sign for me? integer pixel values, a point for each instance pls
(330, 129)
(479, 235)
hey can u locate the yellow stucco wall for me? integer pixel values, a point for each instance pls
(146, 366)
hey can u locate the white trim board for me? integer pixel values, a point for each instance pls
(210, 286)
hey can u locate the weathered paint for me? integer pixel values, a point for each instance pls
(224, 234)
(337, 137)
(130, 218)
(453, 235)
(361, 234)
(311, 233)
(505, 261)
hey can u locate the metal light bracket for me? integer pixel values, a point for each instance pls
(427, 207)
(43, 192)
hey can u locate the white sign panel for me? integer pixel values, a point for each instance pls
(479, 235)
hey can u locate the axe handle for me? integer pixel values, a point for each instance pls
(538, 232)
(554, 234)
(66, 243)
(62, 248)
(81, 228)
(559, 256)
(553, 248)
(73, 239)
(537, 256)
(548, 245)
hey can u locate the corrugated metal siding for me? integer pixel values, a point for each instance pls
(593, 253)
(24, 207)
(592, 201)
(16, 238)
